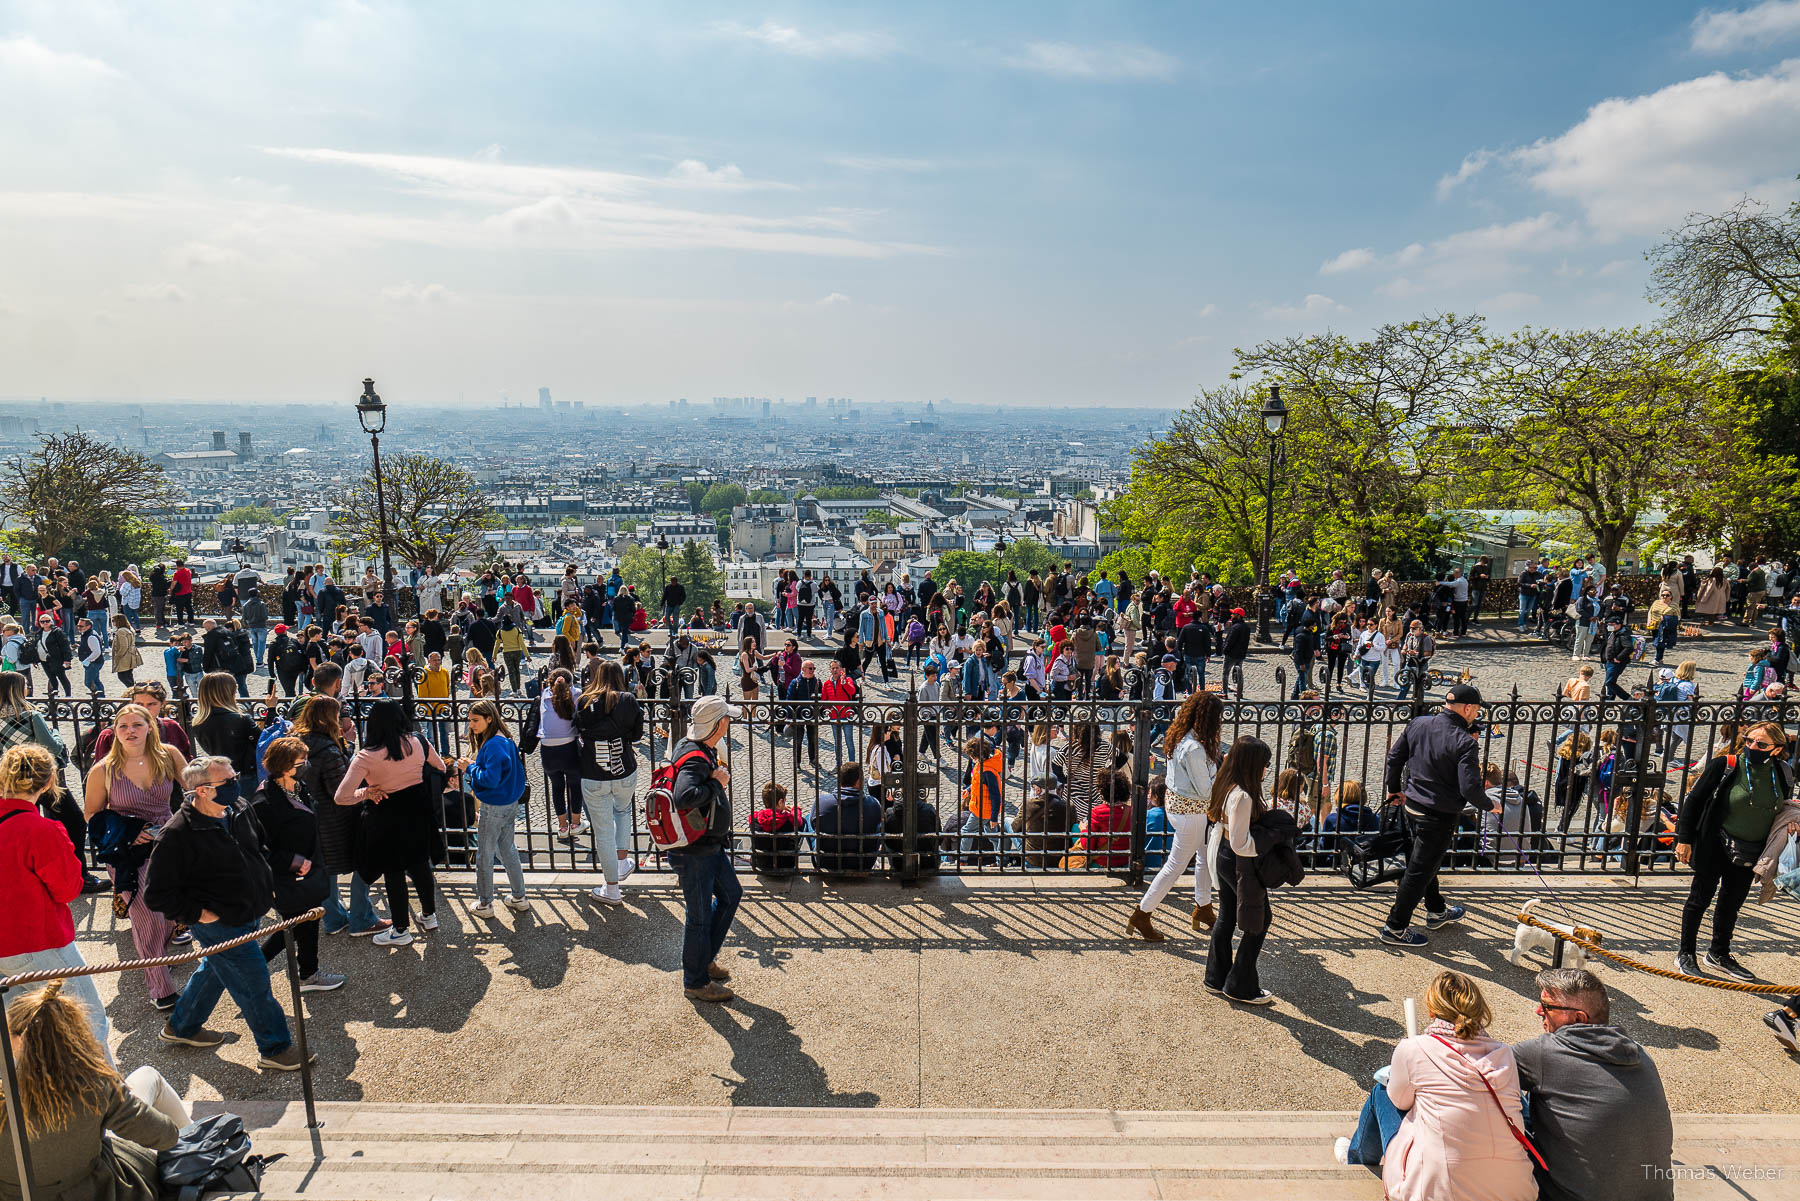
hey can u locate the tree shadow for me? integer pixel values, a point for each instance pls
(771, 1061)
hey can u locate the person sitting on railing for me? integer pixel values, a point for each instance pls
(40, 873)
(846, 825)
(210, 870)
(73, 1099)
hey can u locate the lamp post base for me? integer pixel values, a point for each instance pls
(1265, 611)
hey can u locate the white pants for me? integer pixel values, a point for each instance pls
(1390, 666)
(1189, 842)
(148, 1086)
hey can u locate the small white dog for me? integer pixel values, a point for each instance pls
(1530, 938)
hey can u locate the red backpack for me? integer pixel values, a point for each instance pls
(672, 829)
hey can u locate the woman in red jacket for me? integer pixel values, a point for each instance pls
(40, 873)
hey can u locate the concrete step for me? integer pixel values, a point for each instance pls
(549, 1152)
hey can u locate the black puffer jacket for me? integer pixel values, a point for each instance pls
(326, 763)
(1277, 862)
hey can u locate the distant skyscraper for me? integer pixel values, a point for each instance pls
(812, 402)
(544, 399)
(765, 410)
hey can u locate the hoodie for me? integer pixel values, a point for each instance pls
(1597, 1102)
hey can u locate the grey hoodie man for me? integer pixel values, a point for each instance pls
(1598, 1115)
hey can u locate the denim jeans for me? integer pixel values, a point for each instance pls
(259, 642)
(709, 886)
(131, 615)
(842, 732)
(609, 804)
(1614, 690)
(79, 988)
(1196, 672)
(494, 836)
(244, 973)
(91, 674)
(1527, 606)
(1375, 1128)
(360, 915)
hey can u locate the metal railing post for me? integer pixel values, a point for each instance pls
(1140, 780)
(15, 1116)
(909, 785)
(1634, 810)
(306, 1078)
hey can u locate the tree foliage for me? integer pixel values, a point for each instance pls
(75, 487)
(249, 515)
(768, 496)
(845, 492)
(436, 513)
(1027, 555)
(967, 567)
(722, 498)
(642, 567)
(1731, 277)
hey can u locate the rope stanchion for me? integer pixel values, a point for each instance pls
(1593, 947)
(316, 913)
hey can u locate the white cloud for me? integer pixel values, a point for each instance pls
(1315, 305)
(1350, 260)
(1208, 310)
(692, 170)
(411, 293)
(1472, 165)
(157, 293)
(1636, 165)
(204, 254)
(877, 162)
(826, 303)
(24, 57)
(1511, 302)
(1114, 60)
(788, 40)
(1739, 29)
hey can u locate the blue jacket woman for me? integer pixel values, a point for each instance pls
(497, 778)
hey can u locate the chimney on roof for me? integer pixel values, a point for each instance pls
(244, 444)
(218, 439)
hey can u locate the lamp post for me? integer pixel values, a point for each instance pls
(662, 544)
(372, 414)
(1274, 416)
(1000, 566)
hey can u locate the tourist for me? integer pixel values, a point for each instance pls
(398, 824)
(1736, 817)
(496, 777)
(210, 871)
(1235, 648)
(610, 721)
(847, 824)
(329, 741)
(135, 779)
(1596, 1099)
(1081, 763)
(709, 883)
(1194, 753)
(559, 745)
(290, 827)
(1463, 1131)
(90, 1133)
(1236, 801)
(221, 729)
(40, 873)
(53, 652)
(1445, 777)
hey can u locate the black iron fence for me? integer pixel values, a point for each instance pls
(1011, 785)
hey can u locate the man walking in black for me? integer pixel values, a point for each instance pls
(1445, 776)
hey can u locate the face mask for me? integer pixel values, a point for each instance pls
(226, 794)
(1757, 755)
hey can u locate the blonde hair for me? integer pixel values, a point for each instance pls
(26, 771)
(218, 690)
(62, 1070)
(1687, 669)
(1456, 999)
(161, 757)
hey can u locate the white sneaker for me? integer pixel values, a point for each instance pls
(429, 922)
(393, 938)
(1340, 1151)
(626, 867)
(580, 827)
(518, 904)
(482, 909)
(608, 894)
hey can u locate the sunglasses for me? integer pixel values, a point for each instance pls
(1760, 745)
(1543, 1008)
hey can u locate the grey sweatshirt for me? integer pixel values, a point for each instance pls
(1599, 1116)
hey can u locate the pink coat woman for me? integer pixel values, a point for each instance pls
(1454, 1144)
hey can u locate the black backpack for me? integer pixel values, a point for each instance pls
(211, 1156)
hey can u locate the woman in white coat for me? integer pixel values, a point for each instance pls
(1192, 745)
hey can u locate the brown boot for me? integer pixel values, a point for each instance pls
(1203, 918)
(1140, 923)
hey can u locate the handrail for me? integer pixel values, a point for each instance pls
(316, 913)
(15, 1118)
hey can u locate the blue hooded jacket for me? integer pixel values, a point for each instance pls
(497, 777)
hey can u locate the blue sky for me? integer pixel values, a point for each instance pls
(1020, 203)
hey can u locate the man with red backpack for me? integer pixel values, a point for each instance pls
(709, 883)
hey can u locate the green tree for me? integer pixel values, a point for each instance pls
(249, 515)
(846, 492)
(882, 519)
(72, 488)
(722, 498)
(704, 582)
(967, 567)
(1028, 555)
(642, 568)
(1731, 278)
(436, 513)
(132, 541)
(1599, 422)
(768, 496)
(696, 492)
(1741, 491)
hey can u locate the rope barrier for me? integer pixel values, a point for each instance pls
(99, 969)
(1592, 946)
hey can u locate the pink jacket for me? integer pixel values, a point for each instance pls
(1454, 1144)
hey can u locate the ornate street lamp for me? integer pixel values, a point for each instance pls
(1274, 417)
(372, 413)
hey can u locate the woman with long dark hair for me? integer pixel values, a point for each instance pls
(296, 862)
(1237, 802)
(611, 721)
(398, 828)
(560, 747)
(1194, 753)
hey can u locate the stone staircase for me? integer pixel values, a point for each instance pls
(395, 1152)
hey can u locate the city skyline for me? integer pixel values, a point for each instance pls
(1021, 205)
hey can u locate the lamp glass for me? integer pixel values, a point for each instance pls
(1274, 417)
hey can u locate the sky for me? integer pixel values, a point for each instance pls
(1021, 203)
